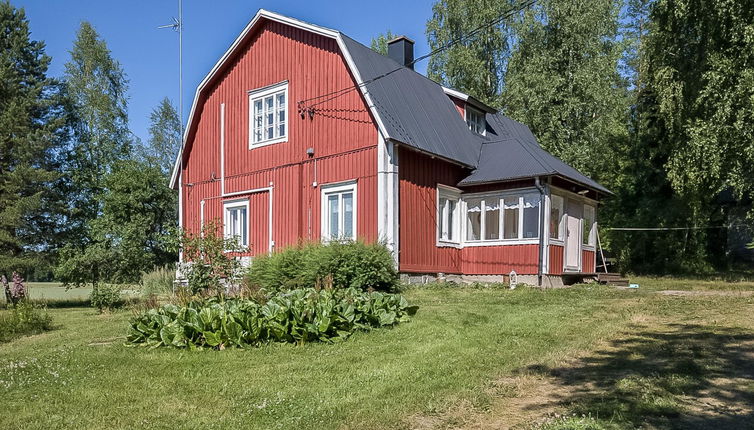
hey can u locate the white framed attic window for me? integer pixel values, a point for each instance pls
(448, 215)
(339, 212)
(268, 115)
(475, 120)
(236, 221)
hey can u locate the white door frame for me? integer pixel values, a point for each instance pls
(572, 214)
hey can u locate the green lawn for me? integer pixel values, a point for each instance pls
(470, 358)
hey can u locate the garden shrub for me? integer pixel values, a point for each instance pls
(14, 291)
(302, 315)
(212, 268)
(158, 282)
(24, 319)
(105, 296)
(358, 265)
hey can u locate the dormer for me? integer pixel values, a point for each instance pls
(471, 110)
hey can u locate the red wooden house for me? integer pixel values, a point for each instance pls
(301, 133)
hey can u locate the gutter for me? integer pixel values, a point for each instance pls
(540, 262)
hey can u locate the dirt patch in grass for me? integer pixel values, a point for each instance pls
(679, 365)
(718, 293)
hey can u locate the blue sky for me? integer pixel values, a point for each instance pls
(150, 56)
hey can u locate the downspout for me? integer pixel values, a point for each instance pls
(540, 262)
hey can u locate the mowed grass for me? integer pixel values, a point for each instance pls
(461, 341)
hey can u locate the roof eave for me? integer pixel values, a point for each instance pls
(431, 154)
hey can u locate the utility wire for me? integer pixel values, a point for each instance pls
(338, 93)
(671, 228)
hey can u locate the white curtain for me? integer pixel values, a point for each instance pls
(531, 200)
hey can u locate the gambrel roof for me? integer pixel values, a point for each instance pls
(412, 110)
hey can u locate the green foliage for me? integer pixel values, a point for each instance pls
(477, 65)
(300, 316)
(164, 136)
(690, 154)
(379, 43)
(105, 297)
(212, 267)
(340, 264)
(23, 320)
(133, 234)
(96, 88)
(563, 81)
(32, 134)
(158, 281)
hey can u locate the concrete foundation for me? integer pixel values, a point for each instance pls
(548, 281)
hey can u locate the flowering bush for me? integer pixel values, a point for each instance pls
(14, 291)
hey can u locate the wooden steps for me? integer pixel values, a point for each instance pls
(614, 279)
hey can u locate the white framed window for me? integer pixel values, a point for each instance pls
(497, 218)
(339, 212)
(556, 217)
(236, 221)
(588, 223)
(268, 115)
(448, 209)
(530, 215)
(475, 120)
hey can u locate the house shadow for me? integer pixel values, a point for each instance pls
(673, 377)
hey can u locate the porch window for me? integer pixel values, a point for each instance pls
(531, 215)
(556, 217)
(475, 120)
(236, 223)
(268, 115)
(474, 219)
(510, 217)
(339, 212)
(588, 224)
(447, 215)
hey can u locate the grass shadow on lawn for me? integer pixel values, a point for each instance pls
(670, 377)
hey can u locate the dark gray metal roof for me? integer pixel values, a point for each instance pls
(511, 152)
(413, 108)
(416, 111)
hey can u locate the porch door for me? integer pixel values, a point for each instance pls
(574, 212)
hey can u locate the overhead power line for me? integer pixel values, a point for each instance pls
(338, 93)
(707, 227)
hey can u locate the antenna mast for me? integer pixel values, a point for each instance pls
(177, 25)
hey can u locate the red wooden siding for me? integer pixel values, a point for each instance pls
(556, 260)
(499, 260)
(588, 261)
(419, 176)
(344, 140)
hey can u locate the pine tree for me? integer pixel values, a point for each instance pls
(32, 131)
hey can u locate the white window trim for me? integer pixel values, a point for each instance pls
(561, 222)
(520, 193)
(232, 204)
(261, 93)
(450, 193)
(462, 220)
(337, 188)
(591, 240)
(481, 114)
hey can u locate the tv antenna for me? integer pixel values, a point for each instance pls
(177, 26)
